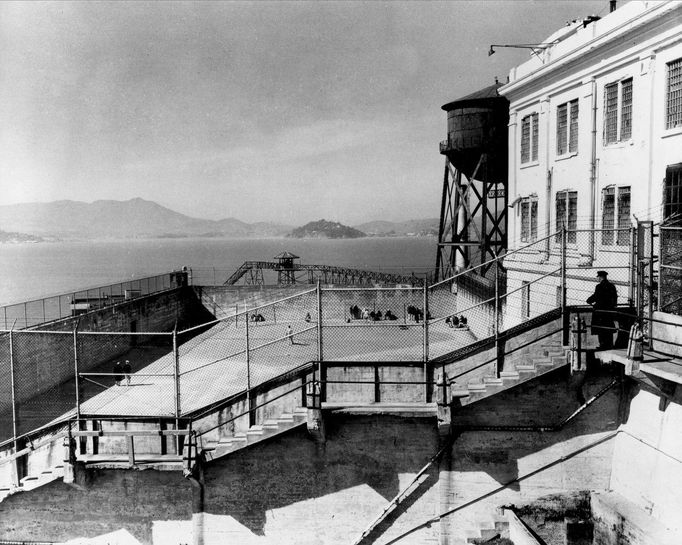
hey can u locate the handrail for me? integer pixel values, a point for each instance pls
(490, 261)
(251, 409)
(398, 498)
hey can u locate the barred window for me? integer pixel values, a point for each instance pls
(567, 128)
(626, 110)
(618, 111)
(529, 219)
(529, 138)
(567, 215)
(608, 213)
(673, 99)
(615, 219)
(525, 299)
(672, 195)
(624, 223)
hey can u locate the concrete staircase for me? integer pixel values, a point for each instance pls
(255, 434)
(548, 360)
(33, 481)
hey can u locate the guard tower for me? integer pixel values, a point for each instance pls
(286, 268)
(473, 218)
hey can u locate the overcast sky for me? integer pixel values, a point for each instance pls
(281, 111)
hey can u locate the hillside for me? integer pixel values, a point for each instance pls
(425, 227)
(135, 218)
(326, 229)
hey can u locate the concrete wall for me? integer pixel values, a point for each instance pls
(647, 462)
(336, 301)
(665, 333)
(45, 359)
(489, 469)
(130, 500)
(288, 490)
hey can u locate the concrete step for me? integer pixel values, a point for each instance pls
(300, 414)
(509, 375)
(476, 386)
(256, 433)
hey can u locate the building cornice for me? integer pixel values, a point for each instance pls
(593, 49)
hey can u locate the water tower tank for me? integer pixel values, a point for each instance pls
(477, 123)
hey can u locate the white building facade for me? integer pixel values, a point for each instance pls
(595, 144)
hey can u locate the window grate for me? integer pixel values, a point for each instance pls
(567, 214)
(672, 195)
(573, 128)
(626, 110)
(535, 130)
(674, 95)
(608, 215)
(611, 113)
(561, 128)
(525, 139)
(623, 235)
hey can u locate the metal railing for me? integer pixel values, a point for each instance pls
(57, 307)
(51, 374)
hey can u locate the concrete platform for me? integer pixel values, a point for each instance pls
(396, 409)
(653, 363)
(213, 366)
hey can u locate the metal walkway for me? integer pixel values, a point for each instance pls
(310, 274)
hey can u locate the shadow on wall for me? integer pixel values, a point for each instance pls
(361, 453)
(543, 402)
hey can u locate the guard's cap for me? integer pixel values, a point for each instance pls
(602, 273)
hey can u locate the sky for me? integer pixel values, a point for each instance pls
(286, 112)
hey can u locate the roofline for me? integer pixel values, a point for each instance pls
(591, 46)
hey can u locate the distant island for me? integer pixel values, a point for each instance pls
(140, 219)
(16, 238)
(326, 229)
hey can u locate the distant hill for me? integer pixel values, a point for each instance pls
(326, 229)
(135, 218)
(423, 227)
(18, 237)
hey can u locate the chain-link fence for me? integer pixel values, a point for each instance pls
(57, 307)
(49, 374)
(373, 324)
(671, 270)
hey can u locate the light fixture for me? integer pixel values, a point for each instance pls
(535, 48)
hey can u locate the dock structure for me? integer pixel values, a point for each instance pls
(289, 272)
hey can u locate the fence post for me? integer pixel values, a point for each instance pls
(15, 423)
(632, 267)
(323, 371)
(425, 330)
(496, 316)
(75, 368)
(249, 401)
(176, 380)
(25, 316)
(563, 279)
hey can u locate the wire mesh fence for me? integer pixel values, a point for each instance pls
(57, 307)
(373, 324)
(671, 270)
(269, 332)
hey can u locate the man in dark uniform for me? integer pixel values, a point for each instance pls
(603, 300)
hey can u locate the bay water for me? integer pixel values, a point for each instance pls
(32, 271)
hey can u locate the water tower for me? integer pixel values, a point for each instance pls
(473, 218)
